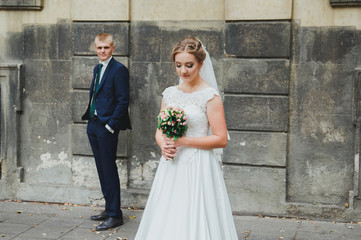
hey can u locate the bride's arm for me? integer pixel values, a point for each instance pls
(215, 114)
(168, 151)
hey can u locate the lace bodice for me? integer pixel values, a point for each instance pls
(195, 108)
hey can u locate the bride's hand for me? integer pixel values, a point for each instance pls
(172, 142)
(168, 150)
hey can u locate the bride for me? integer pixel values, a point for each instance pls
(188, 198)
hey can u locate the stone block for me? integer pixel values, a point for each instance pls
(154, 42)
(325, 178)
(155, 10)
(91, 10)
(261, 113)
(326, 167)
(80, 143)
(15, 43)
(64, 40)
(148, 82)
(40, 42)
(258, 39)
(256, 148)
(150, 79)
(85, 172)
(85, 33)
(321, 136)
(79, 104)
(321, 122)
(53, 165)
(318, 211)
(82, 71)
(211, 36)
(47, 81)
(255, 10)
(256, 76)
(141, 173)
(256, 190)
(322, 89)
(325, 44)
(53, 193)
(146, 42)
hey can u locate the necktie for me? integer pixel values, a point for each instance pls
(95, 89)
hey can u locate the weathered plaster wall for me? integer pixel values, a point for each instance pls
(159, 10)
(320, 13)
(258, 9)
(105, 10)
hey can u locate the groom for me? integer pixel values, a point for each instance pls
(107, 114)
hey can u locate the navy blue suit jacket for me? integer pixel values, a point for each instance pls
(112, 97)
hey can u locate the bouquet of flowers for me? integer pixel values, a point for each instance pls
(173, 122)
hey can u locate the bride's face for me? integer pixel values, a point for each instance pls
(187, 66)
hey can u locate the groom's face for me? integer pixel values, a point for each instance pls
(104, 49)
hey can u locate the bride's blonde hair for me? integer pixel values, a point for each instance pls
(190, 45)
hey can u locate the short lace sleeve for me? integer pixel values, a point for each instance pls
(167, 94)
(209, 94)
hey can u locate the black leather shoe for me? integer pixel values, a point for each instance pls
(100, 217)
(111, 222)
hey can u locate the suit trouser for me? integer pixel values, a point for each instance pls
(104, 145)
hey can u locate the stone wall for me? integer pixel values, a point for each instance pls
(322, 132)
(289, 81)
(256, 106)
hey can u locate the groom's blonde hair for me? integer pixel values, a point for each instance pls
(103, 37)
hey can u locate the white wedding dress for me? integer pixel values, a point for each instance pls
(188, 199)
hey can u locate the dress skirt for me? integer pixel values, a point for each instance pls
(188, 200)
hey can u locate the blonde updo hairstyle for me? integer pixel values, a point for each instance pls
(189, 45)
